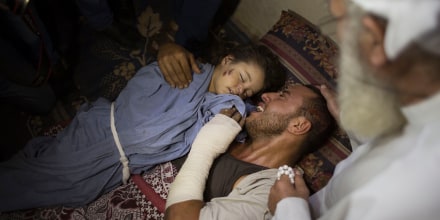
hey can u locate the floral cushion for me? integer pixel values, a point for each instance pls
(309, 58)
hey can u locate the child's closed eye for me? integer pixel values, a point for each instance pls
(242, 78)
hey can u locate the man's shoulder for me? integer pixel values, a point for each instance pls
(249, 198)
(258, 181)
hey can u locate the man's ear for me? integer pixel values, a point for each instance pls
(299, 125)
(376, 30)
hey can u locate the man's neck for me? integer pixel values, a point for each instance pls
(269, 152)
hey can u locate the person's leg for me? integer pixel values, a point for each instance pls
(28, 34)
(39, 100)
(27, 49)
(19, 58)
(49, 173)
(61, 20)
(194, 18)
(44, 40)
(14, 65)
(19, 35)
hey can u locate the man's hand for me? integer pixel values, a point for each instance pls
(283, 189)
(176, 64)
(332, 103)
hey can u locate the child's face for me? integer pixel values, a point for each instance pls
(242, 78)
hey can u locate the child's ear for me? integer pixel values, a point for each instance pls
(299, 125)
(227, 59)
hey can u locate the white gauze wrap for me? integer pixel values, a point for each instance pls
(212, 140)
(408, 21)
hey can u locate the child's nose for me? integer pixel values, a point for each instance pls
(240, 89)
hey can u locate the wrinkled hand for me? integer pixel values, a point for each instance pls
(283, 189)
(332, 103)
(176, 64)
(234, 114)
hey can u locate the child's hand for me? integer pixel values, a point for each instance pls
(176, 65)
(234, 114)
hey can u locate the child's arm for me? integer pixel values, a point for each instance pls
(176, 64)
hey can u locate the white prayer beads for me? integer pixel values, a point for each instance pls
(286, 170)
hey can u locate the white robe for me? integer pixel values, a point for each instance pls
(397, 178)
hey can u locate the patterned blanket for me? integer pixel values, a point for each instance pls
(143, 197)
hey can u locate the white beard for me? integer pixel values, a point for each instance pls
(367, 108)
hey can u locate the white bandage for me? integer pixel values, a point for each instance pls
(212, 140)
(408, 21)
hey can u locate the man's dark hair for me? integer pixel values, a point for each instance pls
(323, 124)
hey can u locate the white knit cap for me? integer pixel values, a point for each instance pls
(408, 21)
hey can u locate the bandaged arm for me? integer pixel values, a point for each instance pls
(185, 198)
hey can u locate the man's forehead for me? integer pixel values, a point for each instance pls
(299, 89)
(295, 86)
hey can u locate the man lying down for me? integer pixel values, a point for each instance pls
(217, 182)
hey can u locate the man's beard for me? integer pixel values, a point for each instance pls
(368, 108)
(268, 125)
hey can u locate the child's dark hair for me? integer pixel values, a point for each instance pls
(274, 72)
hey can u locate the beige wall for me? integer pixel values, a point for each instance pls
(256, 17)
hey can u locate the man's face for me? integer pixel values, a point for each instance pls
(274, 112)
(368, 108)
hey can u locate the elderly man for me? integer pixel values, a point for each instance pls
(285, 126)
(389, 97)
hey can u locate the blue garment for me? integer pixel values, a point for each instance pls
(155, 123)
